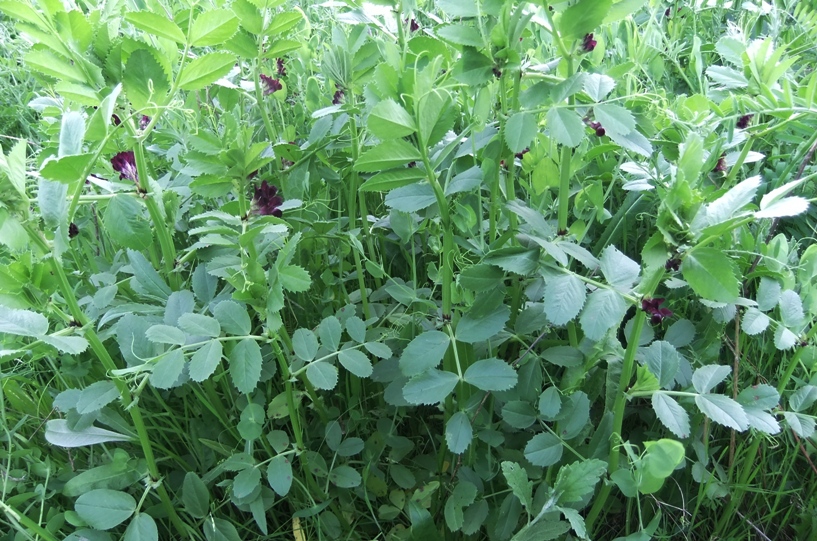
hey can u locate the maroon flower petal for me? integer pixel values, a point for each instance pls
(270, 85)
(125, 164)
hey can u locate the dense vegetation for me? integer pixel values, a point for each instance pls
(455, 269)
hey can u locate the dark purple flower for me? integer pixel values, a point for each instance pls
(337, 99)
(270, 85)
(125, 164)
(267, 200)
(589, 43)
(521, 155)
(414, 26)
(672, 264)
(497, 72)
(73, 230)
(653, 307)
(720, 167)
(143, 122)
(411, 164)
(743, 122)
(115, 120)
(598, 129)
(282, 70)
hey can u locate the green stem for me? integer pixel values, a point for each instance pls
(29, 525)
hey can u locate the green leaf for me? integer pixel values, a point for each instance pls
(680, 333)
(329, 332)
(305, 344)
(58, 433)
(663, 360)
(356, 329)
(514, 259)
(205, 361)
(345, 477)
(707, 377)
(583, 17)
(563, 356)
(802, 399)
(294, 278)
(598, 86)
(458, 433)
(387, 155)
(550, 403)
(436, 116)
(544, 450)
(72, 132)
(473, 68)
(219, 529)
(167, 371)
(67, 169)
(66, 344)
(520, 129)
(464, 494)
(519, 414)
(356, 362)
(388, 120)
(604, 310)
(788, 206)
(517, 479)
(389, 180)
(206, 70)
(142, 74)
(565, 296)
(574, 416)
(491, 375)
(322, 375)
(125, 223)
(424, 352)
(477, 327)
(566, 126)
(155, 24)
(458, 8)
(727, 77)
(199, 325)
(761, 396)
(284, 22)
(481, 277)
(22, 322)
(754, 321)
(574, 481)
(543, 530)
(104, 509)
(279, 475)
(614, 118)
(245, 365)
(723, 410)
(784, 338)
(142, 528)
(726, 206)
(165, 334)
(96, 396)
(430, 387)
(22, 11)
(246, 481)
(460, 34)
(53, 65)
(464, 182)
(213, 27)
(711, 274)
(233, 318)
(791, 309)
(671, 414)
(378, 349)
(620, 271)
(411, 198)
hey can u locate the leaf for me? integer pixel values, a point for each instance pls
(791, 309)
(583, 17)
(245, 365)
(761, 396)
(707, 377)
(604, 310)
(387, 155)
(544, 450)
(458, 433)
(671, 414)
(565, 296)
(517, 479)
(803, 398)
(66, 344)
(72, 132)
(157, 25)
(66, 170)
(205, 361)
(284, 22)
(219, 529)
(574, 481)
(520, 129)
(768, 293)
(329, 331)
(295, 278)
(279, 475)
(96, 396)
(598, 86)
(727, 77)
(411, 198)
(104, 509)
(458, 8)
(356, 329)
(788, 206)
(213, 27)
(550, 403)
(473, 328)
(726, 206)
(481, 277)
(762, 421)
(565, 125)
(142, 528)
(633, 141)
(233, 318)
(515, 259)
(144, 79)
(711, 274)
(356, 362)
(345, 477)
(460, 34)
(491, 375)
(166, 372)
(784, 338)
(663, 361)
(22, 322)
(680, 333)
(754, 321)
(246, 481)
(543, 530)
(389, 180)
(53, 65)
(57, 433)
(723, 410)
(464, 494)
(464, 182)
(423, 353)
(125, 223)
(322, 375)
(614, 118)
(305, 344)
(430, 387)
(165, 334)
(802, 425)
(620, 271)
(199, 325)
(206, 70)
(388, 120)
